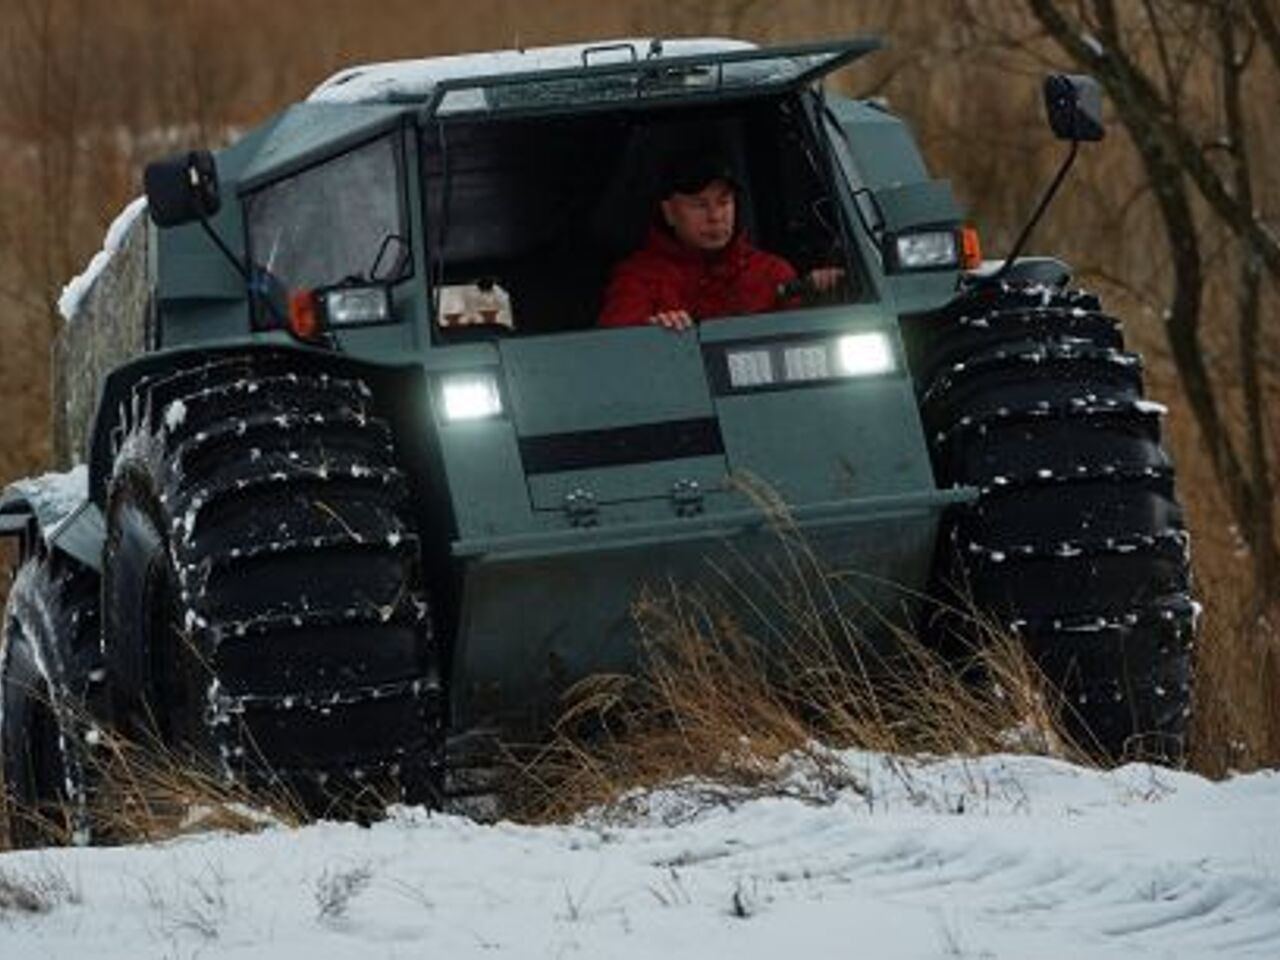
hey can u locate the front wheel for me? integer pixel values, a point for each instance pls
(263, 604)
(1076, 543)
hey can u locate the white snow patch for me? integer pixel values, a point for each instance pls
(417, 78)
(76, 289)
(56, 494)
(999, 856)
(175, 415)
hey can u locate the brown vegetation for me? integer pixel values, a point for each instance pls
(1173, 218)
(720, 711)
(144, 792)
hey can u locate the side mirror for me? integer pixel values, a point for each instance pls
(182, 189)
(1074, 105)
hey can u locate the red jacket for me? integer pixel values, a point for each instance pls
(666, 275)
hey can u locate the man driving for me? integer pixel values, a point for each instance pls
(696, 264)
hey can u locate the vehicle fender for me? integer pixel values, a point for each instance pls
(54, 511)
(1027, 271)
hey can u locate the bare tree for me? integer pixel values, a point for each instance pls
(1202, 164)
(43, 72)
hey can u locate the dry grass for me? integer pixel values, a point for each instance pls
(150, 793)
(716, 705)
(144, 792)
(737, 706)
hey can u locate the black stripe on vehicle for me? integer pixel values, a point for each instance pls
(584, 449)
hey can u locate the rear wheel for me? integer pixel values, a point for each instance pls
(50, 677)
(1077, 540)
(263, 604)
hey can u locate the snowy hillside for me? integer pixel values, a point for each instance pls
(1000, 858)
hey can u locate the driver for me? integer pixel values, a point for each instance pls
(695, 263)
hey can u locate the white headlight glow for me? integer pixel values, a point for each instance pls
(864, 354)
(470, 396)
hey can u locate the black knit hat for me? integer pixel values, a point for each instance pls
(691, 171)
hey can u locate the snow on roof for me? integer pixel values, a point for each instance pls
(78, 287)
(417, 78)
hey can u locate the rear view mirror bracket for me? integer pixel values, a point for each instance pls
(1073, 103)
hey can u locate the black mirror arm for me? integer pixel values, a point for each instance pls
(1025, 235)
(242, 270)
(226, 251)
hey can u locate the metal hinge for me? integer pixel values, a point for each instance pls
(687, 498)
(581, 507)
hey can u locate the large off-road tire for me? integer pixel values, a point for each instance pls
(1077, 540)
(262, 599)
(50, 678)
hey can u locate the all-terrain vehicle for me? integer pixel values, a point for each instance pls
(364, 477)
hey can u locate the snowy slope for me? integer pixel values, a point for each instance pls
(999, 858)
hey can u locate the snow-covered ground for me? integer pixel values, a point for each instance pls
(1003, 857)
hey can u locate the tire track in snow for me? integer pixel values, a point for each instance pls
(1148, 906)
(1109, 858)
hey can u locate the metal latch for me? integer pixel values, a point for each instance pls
(686, 497)
(581, 507)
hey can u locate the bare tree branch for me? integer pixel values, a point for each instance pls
(1267, 557)
(1165, 158)
(1152, 119)
(1266, 17)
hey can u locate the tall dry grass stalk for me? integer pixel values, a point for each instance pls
(142, 792)
(147, 792)
(715, 703)
(733, 689)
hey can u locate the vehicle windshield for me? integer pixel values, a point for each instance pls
(332, 222)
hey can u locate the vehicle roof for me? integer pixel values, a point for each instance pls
(361, 102)
(416, 79)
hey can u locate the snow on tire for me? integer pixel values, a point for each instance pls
(50, 674)
(262, 589)
(1077, 540)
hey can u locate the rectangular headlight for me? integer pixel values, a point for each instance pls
(809, 361)
(470, 396)
(926, 250)
(350, 306)
(750, 368)
(866, 354)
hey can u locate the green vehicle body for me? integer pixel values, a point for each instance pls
(621, 458)
(543, 595)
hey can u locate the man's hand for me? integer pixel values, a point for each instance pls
(807, 287)
(825, 279)
(672, 319)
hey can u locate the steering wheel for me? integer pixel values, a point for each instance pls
(802, 288)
